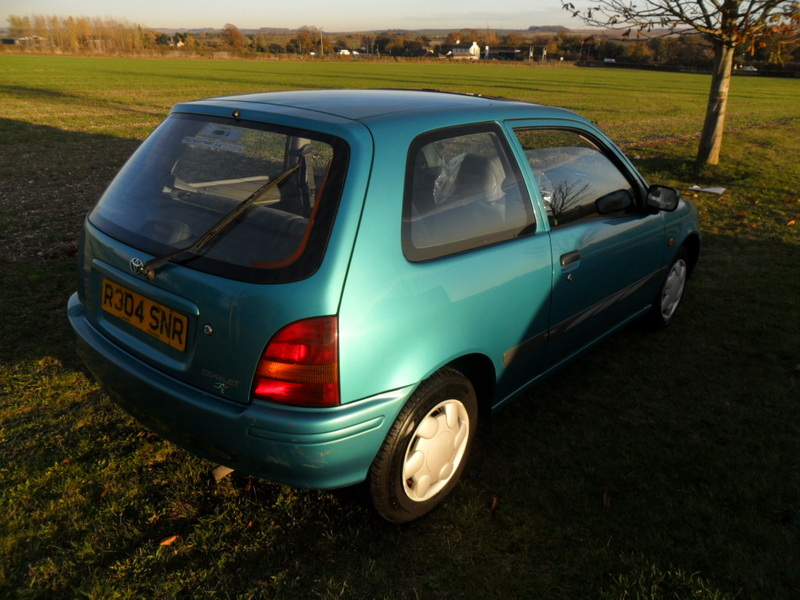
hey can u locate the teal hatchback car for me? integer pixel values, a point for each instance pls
(323, 288)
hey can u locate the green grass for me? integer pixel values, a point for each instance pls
(658, 466)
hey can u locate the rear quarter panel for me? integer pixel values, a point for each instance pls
(401, 321)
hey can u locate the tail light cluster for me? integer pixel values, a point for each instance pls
(300, 365)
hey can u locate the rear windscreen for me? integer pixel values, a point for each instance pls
(194, 170)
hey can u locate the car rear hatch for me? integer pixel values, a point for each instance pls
(208, 241)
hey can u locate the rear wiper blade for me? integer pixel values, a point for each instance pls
(201, 243)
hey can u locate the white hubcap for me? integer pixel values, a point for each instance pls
(673, 289)
(435, 450)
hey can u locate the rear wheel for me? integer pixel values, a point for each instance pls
(426, 449)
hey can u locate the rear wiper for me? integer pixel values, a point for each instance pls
(200, 244)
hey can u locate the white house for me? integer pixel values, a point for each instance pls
(466, 51)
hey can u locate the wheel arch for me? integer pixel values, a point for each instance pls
(480, 371)
(692, 246)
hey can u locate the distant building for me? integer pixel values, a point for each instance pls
(423, 53)
(465, 51)
(505, 53)
(33, 40)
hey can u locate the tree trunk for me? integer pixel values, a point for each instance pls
(711, 138)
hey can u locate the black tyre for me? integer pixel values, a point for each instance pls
(426, 449)
(666, 303)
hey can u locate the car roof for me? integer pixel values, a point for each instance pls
(369, 103)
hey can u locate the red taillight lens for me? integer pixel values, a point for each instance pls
(300, 365)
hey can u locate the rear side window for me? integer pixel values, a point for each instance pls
(462, 191)
(194, 170)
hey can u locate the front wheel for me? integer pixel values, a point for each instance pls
(666, 303)
(426, 449)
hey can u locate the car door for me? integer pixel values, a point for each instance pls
(606, 247)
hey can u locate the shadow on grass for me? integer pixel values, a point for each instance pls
(680, 169)
(50, 179)
(33, 95)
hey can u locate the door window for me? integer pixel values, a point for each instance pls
(572, 174)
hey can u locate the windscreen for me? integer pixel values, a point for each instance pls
(194, 170)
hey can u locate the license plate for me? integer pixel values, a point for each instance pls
(153, 318)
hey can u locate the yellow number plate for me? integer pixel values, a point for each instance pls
(155, 319)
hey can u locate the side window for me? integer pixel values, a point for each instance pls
(572, 174)
(462, 191)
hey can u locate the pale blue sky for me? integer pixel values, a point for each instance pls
(329, 15)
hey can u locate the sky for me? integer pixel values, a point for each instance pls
(328, 15)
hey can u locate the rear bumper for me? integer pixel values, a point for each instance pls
(319, 448)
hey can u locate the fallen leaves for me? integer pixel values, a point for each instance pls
(168, 541)
(792, 222)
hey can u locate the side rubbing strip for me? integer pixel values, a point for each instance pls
(532, 344)
(605, 304)
(529, 346)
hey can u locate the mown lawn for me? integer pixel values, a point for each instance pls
(657, 466)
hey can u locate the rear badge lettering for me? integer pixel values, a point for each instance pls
(221, 383)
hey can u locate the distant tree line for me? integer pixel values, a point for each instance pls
(76, 34)
(104, 35)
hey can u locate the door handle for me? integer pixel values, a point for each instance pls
(570, 260)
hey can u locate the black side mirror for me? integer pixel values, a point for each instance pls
(613, 202)
(661, 197)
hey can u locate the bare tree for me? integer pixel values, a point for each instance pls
(726, 24)
(368, 42)
(233, 37)
(309, 38)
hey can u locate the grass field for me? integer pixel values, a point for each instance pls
(658, 466)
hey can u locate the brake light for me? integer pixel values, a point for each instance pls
(300, 365)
